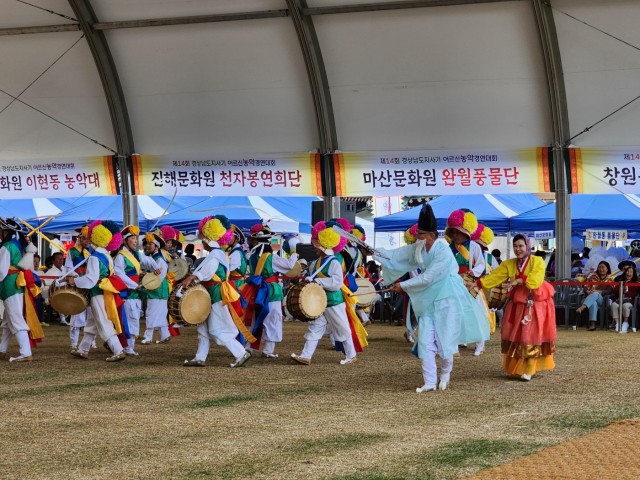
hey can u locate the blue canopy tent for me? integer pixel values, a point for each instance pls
(75, 212)
(495, 211)
(34, 211)
(612, 212)
(239, 210)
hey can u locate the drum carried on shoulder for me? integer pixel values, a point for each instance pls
(68, 299)
(306, 301)
(189, 305)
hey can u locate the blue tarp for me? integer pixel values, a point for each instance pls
(491, 210)
(184, 212)
(78, 211)
(607, 212)
(238, 209)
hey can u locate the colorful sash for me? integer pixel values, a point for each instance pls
(115, 292)
(26, 279)
(256, 293)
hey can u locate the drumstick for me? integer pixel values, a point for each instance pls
(355, 239)
(66, 274)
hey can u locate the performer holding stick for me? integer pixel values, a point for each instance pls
(439, 298)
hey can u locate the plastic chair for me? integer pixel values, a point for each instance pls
(567, 298)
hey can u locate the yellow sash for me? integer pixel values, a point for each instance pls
(350, 300)
(109, 293)
(133, 260)
(463, 251)
(229, 295)
(31, 316)
(261, 261)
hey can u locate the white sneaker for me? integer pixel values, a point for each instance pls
(444, 381)
(426, 388)
(526, 377)
(242, 360)
(347, 361)
(625, 327)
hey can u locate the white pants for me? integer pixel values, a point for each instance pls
(80, 320)
(626, 310)
(336, 318)
(99, 324)
(219, 327)
(133, 310)
(433, 348)
(156, 317)
(14, 324)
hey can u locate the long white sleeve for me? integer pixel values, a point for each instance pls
(163, 266)
(283, 265)
(477, 263)
(149, 264)
(209, 265)
(5, 263)
(235, 260)
(438, 264)
(90, 279)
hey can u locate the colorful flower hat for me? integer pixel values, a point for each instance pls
(105, 234)
(238, 234)
(216, 228)
(152, 237)
(343, 223)
(463, 220)
(323, 236)
(169, 233)
(359, 232)
(411, 234)
(130, 231)
(259, 228)
(83, 231)
(483, 235)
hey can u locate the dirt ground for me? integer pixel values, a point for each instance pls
(151, 418)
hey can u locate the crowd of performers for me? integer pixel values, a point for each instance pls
(245, 284)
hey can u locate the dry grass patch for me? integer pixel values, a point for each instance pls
(151, 418)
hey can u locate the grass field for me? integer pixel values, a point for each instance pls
(151, 418)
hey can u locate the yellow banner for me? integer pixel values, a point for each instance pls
(261, 175)
(69, 177)
(605, 170)
(442, 172)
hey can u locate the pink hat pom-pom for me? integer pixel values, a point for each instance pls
(341, 244)
(256, 228)
(114, 244)
(456, 219)
(168, 232)
(317, 228)
(414, 230)
(475, 236)
(226, 238)
(203, 221)
(344, 224)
